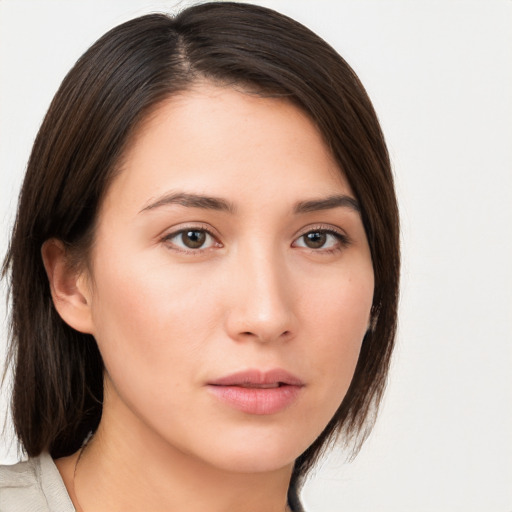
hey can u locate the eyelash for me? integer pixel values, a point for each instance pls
(342, 239)
(167, 238)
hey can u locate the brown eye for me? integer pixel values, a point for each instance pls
(191, 239)
(322, 239)
(315, 239)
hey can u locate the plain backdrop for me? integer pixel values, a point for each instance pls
(440, 76)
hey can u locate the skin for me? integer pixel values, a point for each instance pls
(169, 318)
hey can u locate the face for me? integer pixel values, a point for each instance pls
(231, 281)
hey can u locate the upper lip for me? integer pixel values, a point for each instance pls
(258, 378)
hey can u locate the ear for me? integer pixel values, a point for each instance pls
(69, 288)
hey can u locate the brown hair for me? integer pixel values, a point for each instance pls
(57, 395)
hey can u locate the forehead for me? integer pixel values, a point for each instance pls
(219, 141)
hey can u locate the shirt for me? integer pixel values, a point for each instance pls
(35, 485)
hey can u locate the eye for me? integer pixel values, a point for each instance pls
(322, 239)
(191, 239)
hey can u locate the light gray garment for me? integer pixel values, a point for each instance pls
(33, 486)
(36, 486)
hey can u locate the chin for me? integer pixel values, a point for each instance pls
(255, 463)
(258, 453)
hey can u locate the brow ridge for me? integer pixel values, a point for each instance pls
(328, 203)
(215, 203)
(190, 201)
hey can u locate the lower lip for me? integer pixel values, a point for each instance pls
(257, 400)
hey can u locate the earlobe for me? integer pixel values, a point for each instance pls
(69, 288)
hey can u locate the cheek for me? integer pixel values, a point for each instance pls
(338, 316)
(148, 317)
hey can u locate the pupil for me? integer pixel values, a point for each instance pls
(315, 240)
(194, 239)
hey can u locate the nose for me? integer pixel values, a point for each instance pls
(262, 301)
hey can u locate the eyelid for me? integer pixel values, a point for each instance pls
(340, 234)
(192, 226)
(325, 228)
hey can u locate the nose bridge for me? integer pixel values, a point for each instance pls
(262, 305)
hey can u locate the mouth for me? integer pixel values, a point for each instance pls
(257, 392)
(260, 379)
(263, 386)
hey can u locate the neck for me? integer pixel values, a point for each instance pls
(125, 468)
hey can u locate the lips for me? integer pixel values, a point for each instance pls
(257, 392)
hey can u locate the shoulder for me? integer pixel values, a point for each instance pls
(17, 474)
(19, 486)
(33, 485)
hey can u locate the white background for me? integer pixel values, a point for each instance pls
(440, 76)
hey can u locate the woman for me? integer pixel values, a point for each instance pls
(204, 269)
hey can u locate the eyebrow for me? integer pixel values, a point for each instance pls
(328, 203)
(191, 201)
(218, 204)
